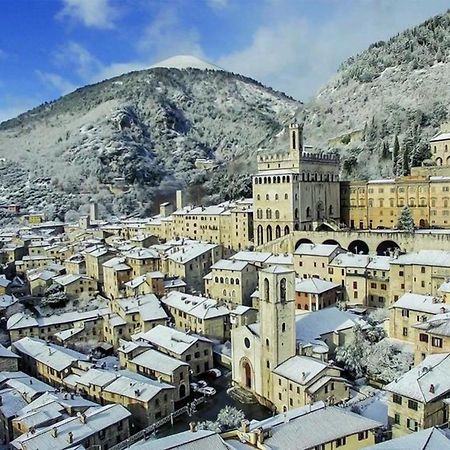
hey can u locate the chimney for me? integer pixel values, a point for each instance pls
(432, 388)
(54, 432)
(70, 437)
(193, 427)
(82, 417)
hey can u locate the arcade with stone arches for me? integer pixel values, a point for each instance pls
(379, 243)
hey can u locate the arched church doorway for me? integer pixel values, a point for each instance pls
(247, 373)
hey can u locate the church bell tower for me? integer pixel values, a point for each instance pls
(277, 318)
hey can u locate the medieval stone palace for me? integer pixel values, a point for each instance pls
(300, 191)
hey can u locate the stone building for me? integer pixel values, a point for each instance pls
(426, 191)
(294, 191)
(265, 359)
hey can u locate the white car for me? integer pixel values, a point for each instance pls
(215, 372)
(208, 391)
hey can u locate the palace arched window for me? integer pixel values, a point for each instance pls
(277, 214)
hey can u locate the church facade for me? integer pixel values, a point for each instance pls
(265, 359)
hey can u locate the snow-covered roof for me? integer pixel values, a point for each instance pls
(50, 355)
(169, 338)
(135, 386)
(12, 402)
(314, 285)
(7, 300)
(23, 320)
(434, 258)
(141, 253)
(316, 249)
(445, 287)
(148, 306)
(298, 428)
(312, 325)
(440, 137)
(230, 264)
(81, 427)
(438, 325)
(200, 307)
(6, 353)
(254, 257)
(154, 360)
(429, 439)
(186, 440)
(300, 369)
(426, 382)
(422, 303)
(189, 252)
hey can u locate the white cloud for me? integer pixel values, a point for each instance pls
(56, 82)
(79, 59)
(91, 13)
(165, 36)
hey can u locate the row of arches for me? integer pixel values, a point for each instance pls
(305, 176)
(358, 246)
(269, 233)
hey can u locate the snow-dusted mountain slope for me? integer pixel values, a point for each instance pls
(398, 87)
(132, 139)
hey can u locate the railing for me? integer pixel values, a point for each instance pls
(147, 432)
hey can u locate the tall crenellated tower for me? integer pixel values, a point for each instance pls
(296, 141)
(277, 321)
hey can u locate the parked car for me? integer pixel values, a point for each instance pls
(216, 373)
(208, 391)
(195, 387)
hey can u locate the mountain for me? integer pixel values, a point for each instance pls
(130, 141)
(398, 87)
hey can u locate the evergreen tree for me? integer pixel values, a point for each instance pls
(406, 221)
(395, 155)
(405, 162)
(385, 150)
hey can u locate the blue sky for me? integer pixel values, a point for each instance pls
(50, 47)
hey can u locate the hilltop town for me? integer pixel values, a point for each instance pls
(316, 301)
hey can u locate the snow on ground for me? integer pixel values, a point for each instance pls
(369, 402)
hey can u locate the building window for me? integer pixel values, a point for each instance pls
(363, 435)
(436, 342)
(341, 442)
(405, 312)
(397, 419)
(412, 404)
(397, 399)
(412, 424)
(405, 331)
(423, 337)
